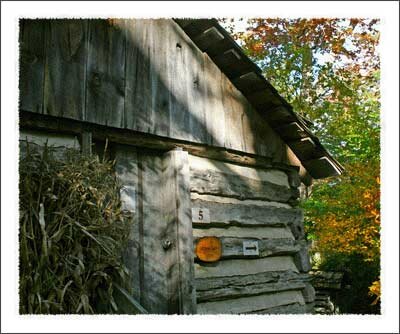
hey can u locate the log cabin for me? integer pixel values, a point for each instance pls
(205, 147)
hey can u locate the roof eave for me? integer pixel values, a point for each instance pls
(213, 39)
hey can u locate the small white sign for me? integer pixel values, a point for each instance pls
(250, 248)
(200, 215)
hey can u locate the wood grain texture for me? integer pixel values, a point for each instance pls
(106, 72)
(251, 304)
(250, 215)
(197, 93)
(263, 277)
(31, 120)
(261, 174)
(154, 288)
(232, 248)
(244, 267)
(138, 109)
(163, 230)
(230, 292)
(219, 288)
(231, 200)
(233, 116)
(65, 68)
(179, 59)
(245, 232)
(160, 49)
(143, 75)
(177, 212)
(213, 103)
(223, 184)
(126, 169)
(32, 57)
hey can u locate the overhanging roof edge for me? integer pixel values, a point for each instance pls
(313, 164)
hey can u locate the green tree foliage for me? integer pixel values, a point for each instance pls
(328, 69)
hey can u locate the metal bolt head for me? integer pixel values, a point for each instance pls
(166, 244)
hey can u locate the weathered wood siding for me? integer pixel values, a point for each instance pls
(159, 190)
(143, 75)
(249, 204)
(160, 253)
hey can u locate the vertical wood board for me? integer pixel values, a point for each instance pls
(138, 109)
(31, 71)
(179, 60)
(154, 283)
(126, 168)
(180, 267)
(145, 75)
(65, 68)
(233, 116)
(213, 104)
(197, 90)
(160, 91)
(167, 281)
(106, 72)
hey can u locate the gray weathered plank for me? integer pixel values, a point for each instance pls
(233, 247)
(229, 292)
(31, 120)
(31, 73)
(225, 214)
(213, 104)
(244, 267)
(106, 72)
(250, 141)
(165, 231)
(138, 113)
(171, 88)
(65, 68)
(262, 174)
(126, 169)
(245, 232)
(216, 183)
(264, 277)
(197, 93)
(267, 141)
(177, 213)
(159, 45)
(302, 257)
(179, 59)
(152, 233)
(251, 304)
(233, 116)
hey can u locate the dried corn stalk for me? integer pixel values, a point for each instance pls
(72, 234)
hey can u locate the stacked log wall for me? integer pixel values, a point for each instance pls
(245, 204)
(249, 204)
